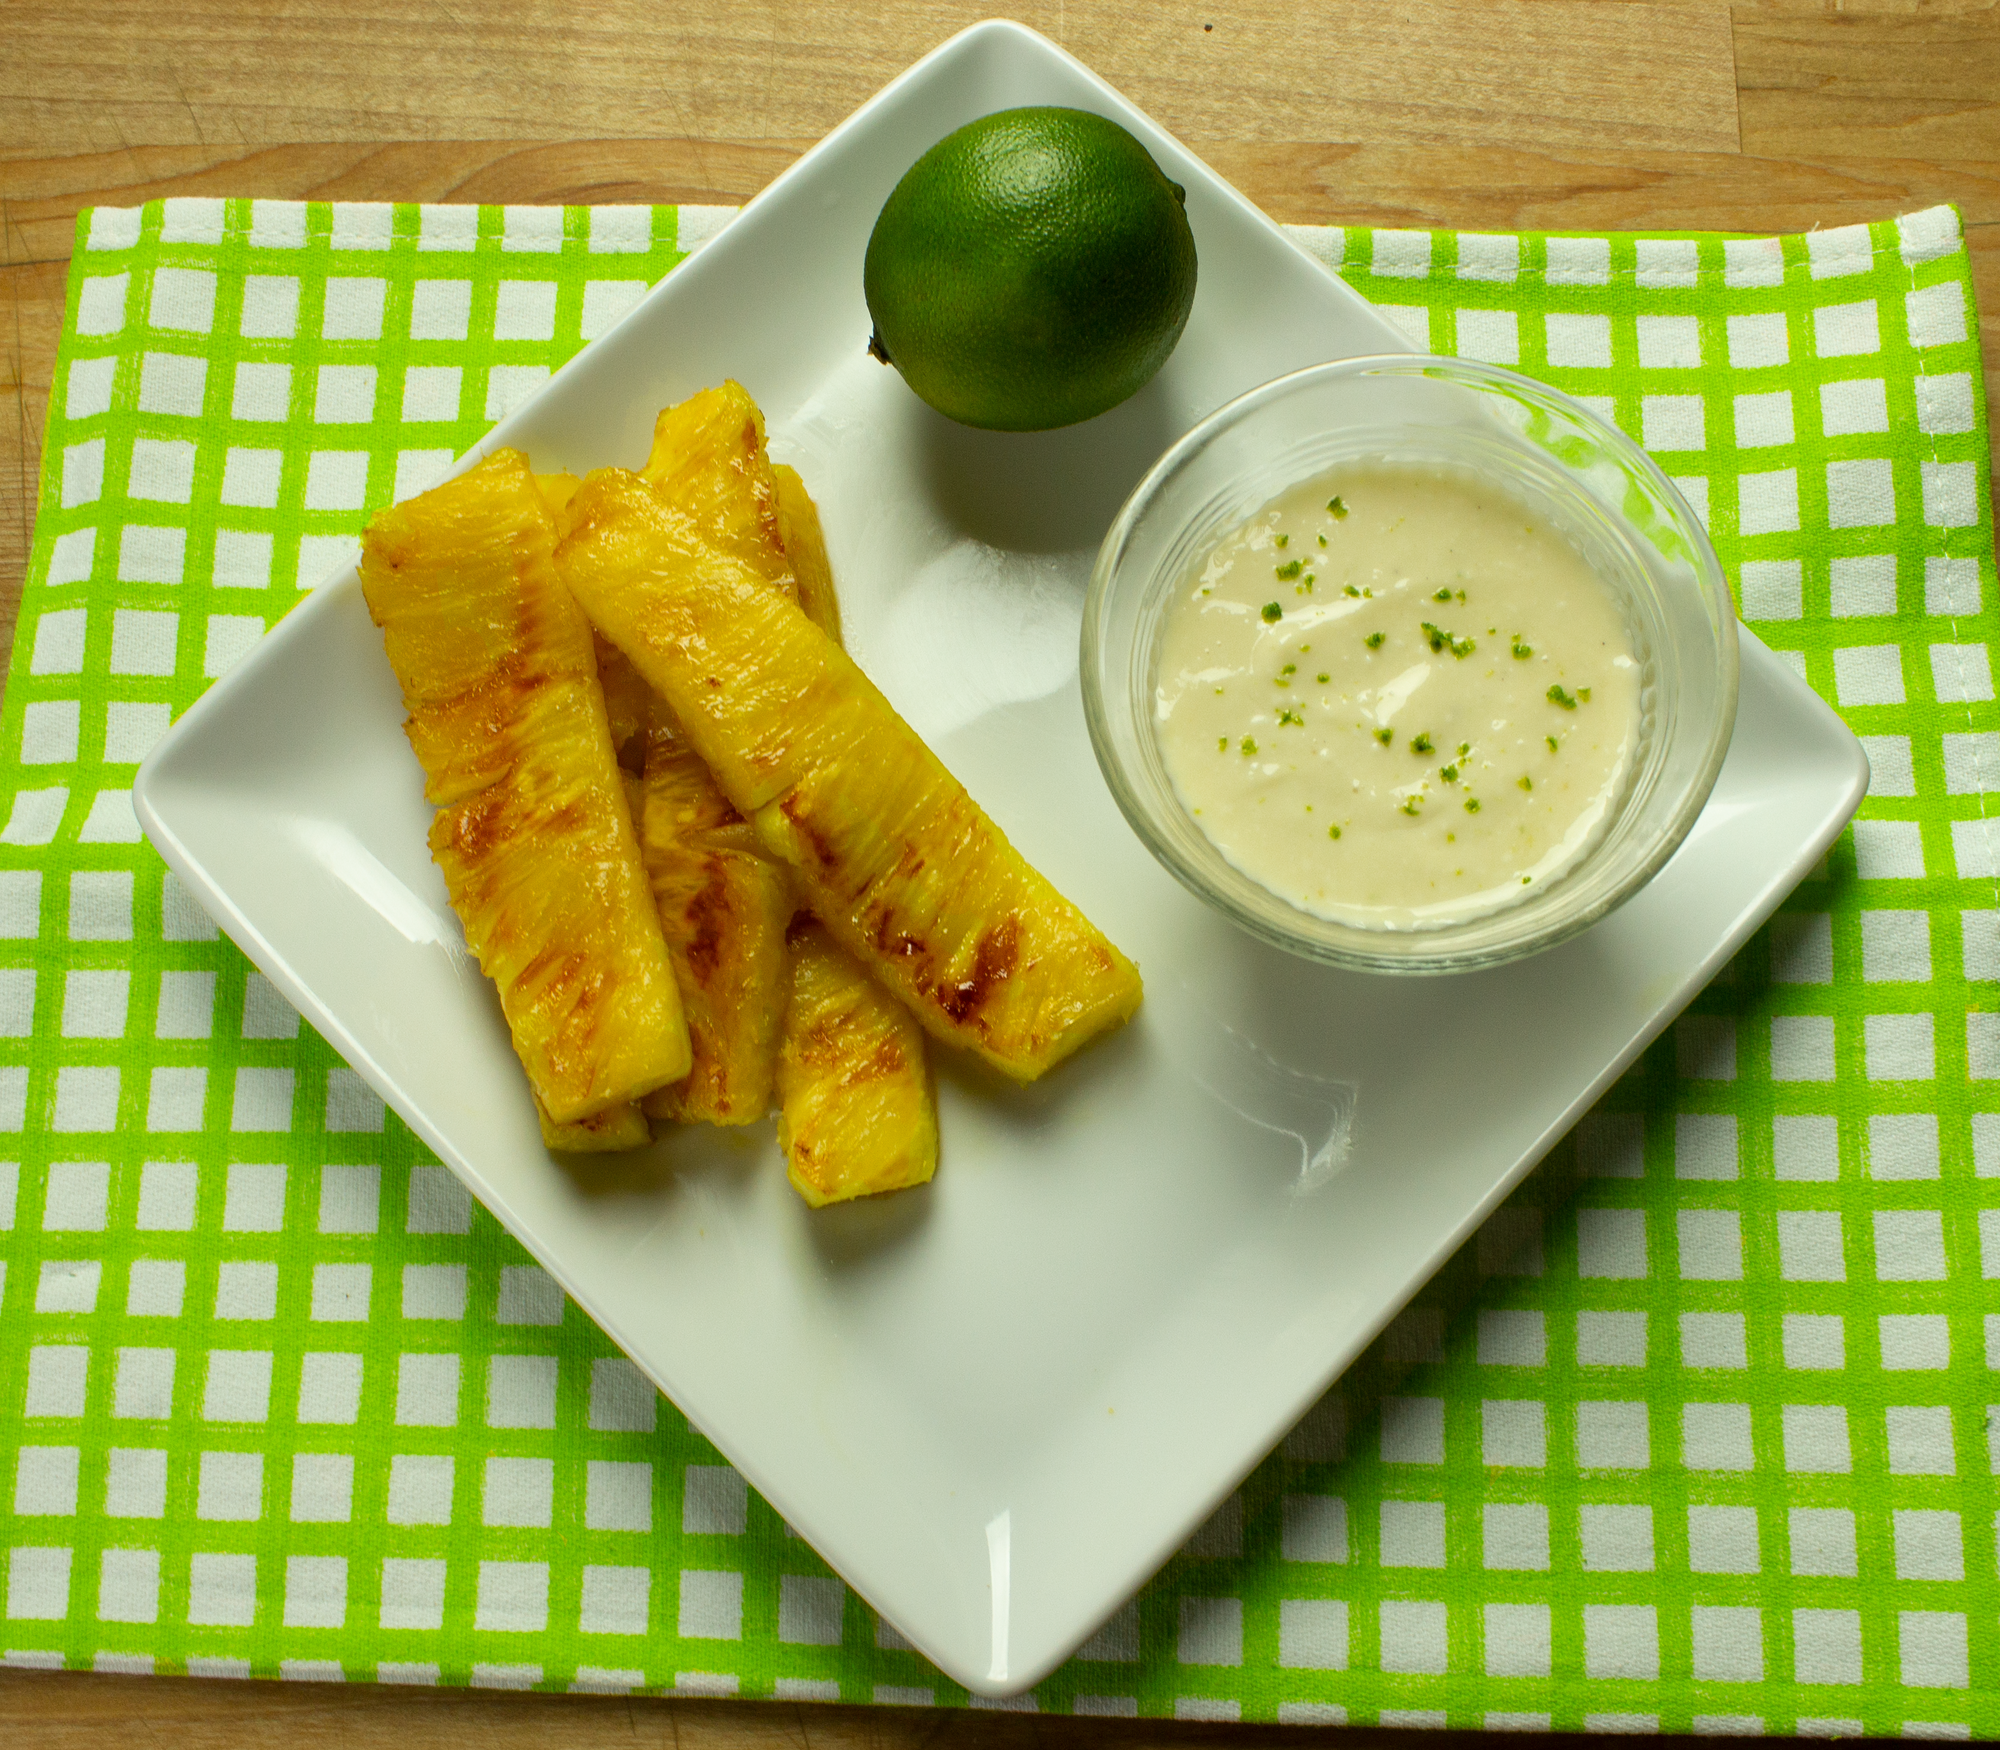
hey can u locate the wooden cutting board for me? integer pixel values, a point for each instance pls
(1483, 114)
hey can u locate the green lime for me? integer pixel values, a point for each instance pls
(1032, 269)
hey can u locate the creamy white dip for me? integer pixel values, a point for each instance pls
(1397, 697)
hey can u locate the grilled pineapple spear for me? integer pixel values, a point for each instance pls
(857, 1116)
(887, 849)
(857, 1109)
(533, 832)
(724, 902)
(626, 702)
(857, 1113)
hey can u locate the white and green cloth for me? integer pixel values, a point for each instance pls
(1709, 1444)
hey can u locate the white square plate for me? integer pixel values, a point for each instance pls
(995, 1405)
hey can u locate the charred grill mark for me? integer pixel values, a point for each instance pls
(706, 1086)
(824, 851)
(707, 920)
(483, 825)
(894, 943)
(886, 1061)
(993, 963)
(567, 820)
(822, 1045)
(564, 989)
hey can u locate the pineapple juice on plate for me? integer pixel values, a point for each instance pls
(1396, 697)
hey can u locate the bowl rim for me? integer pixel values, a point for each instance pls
(1437, 950)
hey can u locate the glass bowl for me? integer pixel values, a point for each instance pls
(1560, 461)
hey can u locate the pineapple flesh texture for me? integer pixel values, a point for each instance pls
(885, 846)
(607, 1132)
(724, 902)
(805, 548)
(628, 703)
(533, 832)
(708, 462)
(557, 490)
(886, 1135)
(724, 905)
(855, 1113)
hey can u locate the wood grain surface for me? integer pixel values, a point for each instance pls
(1769, 115)
(1490, 114)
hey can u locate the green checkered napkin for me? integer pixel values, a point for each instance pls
(1704, 1445)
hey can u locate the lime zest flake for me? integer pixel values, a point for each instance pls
(1439, 639)
(1272, 613)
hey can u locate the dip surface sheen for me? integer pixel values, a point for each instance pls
(1395, 697)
